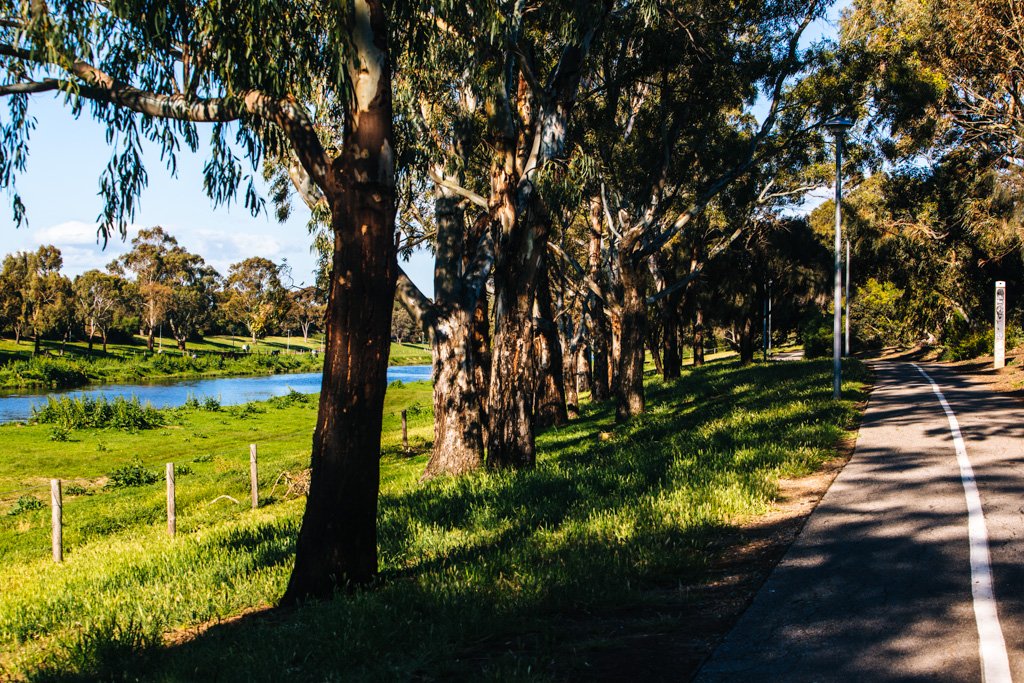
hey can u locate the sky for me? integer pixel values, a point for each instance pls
(59, 188)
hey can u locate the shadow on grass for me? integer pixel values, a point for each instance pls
(474, 567)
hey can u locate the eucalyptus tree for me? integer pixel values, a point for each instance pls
(254, 295)
(194, 288)
(99, 299)
(679, 111)
(147, 264)
(529, 59)
(441, 99)
(156, 70)
(13, 303)
(306, 308)
(47, 294)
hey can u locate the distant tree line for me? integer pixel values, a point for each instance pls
(158, 287)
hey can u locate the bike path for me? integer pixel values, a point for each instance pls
(878, 585)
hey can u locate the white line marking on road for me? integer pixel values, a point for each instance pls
(995, 664)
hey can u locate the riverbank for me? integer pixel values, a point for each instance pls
(495, 575)
(75, 365)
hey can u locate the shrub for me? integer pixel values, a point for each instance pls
(131, 475)
(816, 333)
(83, 412)
(211, 404)
(75, 490)
(26, 504)
(879, 316)
(55, 373)
(291, 398)
(966, 344)
(60, 433)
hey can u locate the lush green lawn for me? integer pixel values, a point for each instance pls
(470, 567)
(214, 356)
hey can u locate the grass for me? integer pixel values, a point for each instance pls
(478, 574)
(127, 363)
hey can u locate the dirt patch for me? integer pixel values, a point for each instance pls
(1008, 380)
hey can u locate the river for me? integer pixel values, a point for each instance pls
(17, 406)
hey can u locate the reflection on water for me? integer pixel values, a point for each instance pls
(229, 390)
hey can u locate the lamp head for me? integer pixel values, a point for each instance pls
(838, 125)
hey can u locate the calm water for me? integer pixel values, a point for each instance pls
(230, 390)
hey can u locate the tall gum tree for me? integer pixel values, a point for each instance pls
(672, 92)
(156, 70)
(534, 72)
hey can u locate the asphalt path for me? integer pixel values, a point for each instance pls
(883, 583)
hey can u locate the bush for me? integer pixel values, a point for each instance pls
(879, 316)
(26, 504)
(131, 475)
(290, 399)
(60, 433)
(965, 344)
(55, 373)
(83, 412)
(816, 333)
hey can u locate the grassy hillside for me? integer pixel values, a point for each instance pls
(213, 357)
(478, 574)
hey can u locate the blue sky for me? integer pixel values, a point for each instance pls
(66, 157)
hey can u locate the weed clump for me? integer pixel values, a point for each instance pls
(131, 475)
(290, 399)
(25, 504)
(83, 412)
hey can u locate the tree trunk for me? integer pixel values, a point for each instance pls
(596, 320)
(672, 362)
(518, 249)
(615, 351)
(583, 372)
(631, 343)
(570, 379)
(651, 343)
(549, 406)
(104, 337)
(150, 339)
(482, 355)
(337, 544)
(458, 437)
(35, 344)
(747, 340)
(698, 338)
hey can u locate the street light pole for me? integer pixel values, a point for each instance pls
(838, 127)
(848, 297)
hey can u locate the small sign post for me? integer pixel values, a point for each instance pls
(1000, 327)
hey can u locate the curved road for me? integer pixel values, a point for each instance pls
(878, 586)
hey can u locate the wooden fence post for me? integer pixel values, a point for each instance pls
(405, 431)
(57, 520)
(253, 477)
(172, 518)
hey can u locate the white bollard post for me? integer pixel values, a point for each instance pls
(1000, 327)
(57, 521)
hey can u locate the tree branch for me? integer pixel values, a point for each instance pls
(413, 300)
(458, 189)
